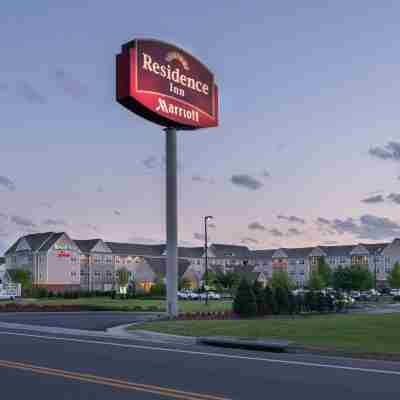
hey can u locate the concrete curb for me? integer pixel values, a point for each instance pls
(271, 345)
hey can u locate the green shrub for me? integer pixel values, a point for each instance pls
(244, 303)
(282, 300)
(269, 301)
(260, 298)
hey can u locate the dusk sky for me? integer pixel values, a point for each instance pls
(308, 147)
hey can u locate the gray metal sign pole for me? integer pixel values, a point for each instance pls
(172, 223)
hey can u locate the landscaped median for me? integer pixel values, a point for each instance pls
(109, 304)
(355, 334)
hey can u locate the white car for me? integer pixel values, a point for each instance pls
(395, 292)
(183, 296)
(210, 295)
(193, 296)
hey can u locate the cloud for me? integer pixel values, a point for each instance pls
(323, 221)
(199, 236)
(246, 181)
(391, 151)
(69, 85)
(276, 232)
(23, 222)
(265, 174)
(256, 226)
(395, 197)
(30, 94)
(117, 212)
(249, 240)
(55, 222)
(202, 179)
(294, 232)
(7, 183)
(374, 199)
(292, 218)
(150, 162)
(367, 227)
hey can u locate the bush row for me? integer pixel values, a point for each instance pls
(255, 300)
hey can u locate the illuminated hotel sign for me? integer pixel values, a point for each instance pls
(166, 85)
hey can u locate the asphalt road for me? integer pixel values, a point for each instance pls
(96, 321)
(74, 367)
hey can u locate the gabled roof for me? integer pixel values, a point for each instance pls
(190, 252)
(35, 241)
(375, 248)
(298, 252)
(49, 243)
(336, 251)
(159, 266)
(130, 249)
(86, 246)
(263, 254)
(228, 250)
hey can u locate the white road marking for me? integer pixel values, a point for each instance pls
(206, 354)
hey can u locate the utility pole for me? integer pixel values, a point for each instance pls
(206, 218)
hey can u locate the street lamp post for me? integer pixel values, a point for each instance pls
(206, 218)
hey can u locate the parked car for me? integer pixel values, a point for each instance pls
(395, 292)
(193, 296)
(355, 294)
(214, 296)
(210, 295)
(183, 296)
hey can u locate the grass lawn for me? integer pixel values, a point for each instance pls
(351, 332)
(133, 304)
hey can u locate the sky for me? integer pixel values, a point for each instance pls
(308, 147)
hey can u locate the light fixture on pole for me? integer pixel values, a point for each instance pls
(206, 218)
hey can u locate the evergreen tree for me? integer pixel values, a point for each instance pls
(316, 281)
(282, 300)
(324, 271)
(394, 276)
(281, 279)
(269, 301)
(244, 303)
(292, 303)
(260, 298)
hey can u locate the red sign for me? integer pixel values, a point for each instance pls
(63, 253)
(166, 85)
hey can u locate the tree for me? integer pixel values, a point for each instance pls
(341, 278)
(209, 278)
(123, 277)
(361, 277)
(244, 303)
(260, 299)
(292, 303)
(325, 272)
(316, 282)
(356, 277)
(228, 280)
(21, 276)
(269, 301)
(282, 300)
(281, 279)
(394, 276)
